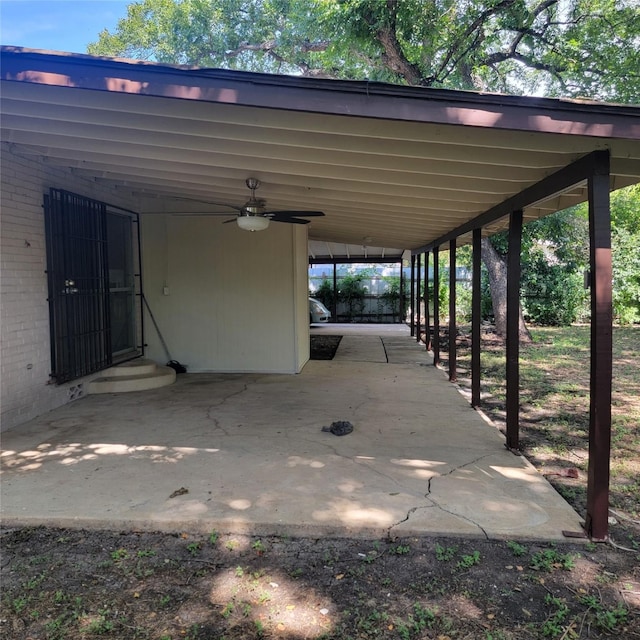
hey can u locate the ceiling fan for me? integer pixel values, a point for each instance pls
(253, 215)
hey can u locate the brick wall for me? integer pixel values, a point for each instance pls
(25, 357)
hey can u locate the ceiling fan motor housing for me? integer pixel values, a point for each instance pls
(253, 216)
(253, 207)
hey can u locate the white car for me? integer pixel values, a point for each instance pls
(318, 312)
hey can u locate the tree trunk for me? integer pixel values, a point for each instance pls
(497, 270)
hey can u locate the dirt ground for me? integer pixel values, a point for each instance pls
(75, 584)
(88, 584)
(324, 347)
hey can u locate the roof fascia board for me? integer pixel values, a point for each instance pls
(345, 98)
(594, 163)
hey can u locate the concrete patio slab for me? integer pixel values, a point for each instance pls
(361, 349)
(246, 453)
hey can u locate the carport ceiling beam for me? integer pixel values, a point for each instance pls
(556, 183)
(343, 259)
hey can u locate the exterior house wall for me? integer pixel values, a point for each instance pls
(224, 299)
(236, 300)
(301, 292)
(24, 311)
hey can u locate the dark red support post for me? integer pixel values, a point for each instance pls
(476, 312)
(597, 521)
(436, 306)
(401, 302)
(418, 297)
(427, 314)
(453, 351)
(412, 296)
(513, 331)
(335, 293)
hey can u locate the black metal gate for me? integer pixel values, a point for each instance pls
(78, 279)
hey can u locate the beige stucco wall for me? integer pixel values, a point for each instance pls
(226, 300)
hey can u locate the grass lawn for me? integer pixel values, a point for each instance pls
(554, 417)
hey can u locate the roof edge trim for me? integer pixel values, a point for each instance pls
(330, 97)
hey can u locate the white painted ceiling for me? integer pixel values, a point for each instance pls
(179, 144)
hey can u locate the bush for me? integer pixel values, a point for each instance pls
(325, 293)
(552, 293)
(391, 296)
(352, 292)
(626, 276)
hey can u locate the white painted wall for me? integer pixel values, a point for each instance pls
(226, 300)
(25, 359)
(301, 293)
(237, 300)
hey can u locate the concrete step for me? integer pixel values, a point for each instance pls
(137, 367)
(160, 377)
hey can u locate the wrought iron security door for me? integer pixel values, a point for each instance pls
(79, 233)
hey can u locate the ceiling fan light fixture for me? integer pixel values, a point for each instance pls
(252, 223)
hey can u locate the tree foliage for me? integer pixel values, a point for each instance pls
(551, 47)
(555, 254)
(625, 244)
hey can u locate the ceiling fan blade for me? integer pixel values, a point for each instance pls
(309, 214)
(289, 219)
(228, 221)
(213, 203)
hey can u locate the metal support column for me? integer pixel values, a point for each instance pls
(418, 297)
(453, 351)
(476, 312)
(427, 314)
(412, 296)
(334, 311)
(436, 307)
(597, 525)
(513, 331)
(401, 315)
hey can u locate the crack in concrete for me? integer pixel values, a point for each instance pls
(409, 514)
(384, 348)
(366, 401)
(210, 408)
(434, 502)
(216, 422)
(362, 463)
(327, 446)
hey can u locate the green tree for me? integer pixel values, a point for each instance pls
(555, 254)
(625, 223)
(625, 240)
(573, 48)
(626, 275)
(555, 47)
(555, 258)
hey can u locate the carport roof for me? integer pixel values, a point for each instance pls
(391, 166)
